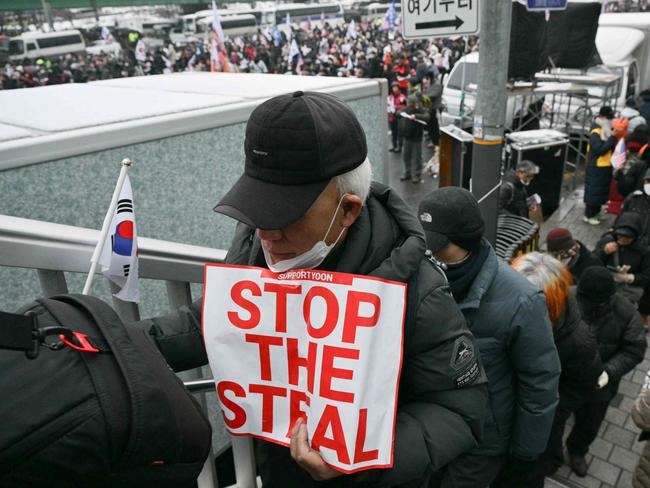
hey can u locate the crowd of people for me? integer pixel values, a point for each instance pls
(368, 50)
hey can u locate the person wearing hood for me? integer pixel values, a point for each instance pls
(306, 200)
(617, 326)
(598, 173)
(509, 318)
(512, 193)
(573, 254)
(621, 251)
(413, 119)
(576, 346)
(639, 202)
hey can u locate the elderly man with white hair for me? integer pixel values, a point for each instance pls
(306, 200)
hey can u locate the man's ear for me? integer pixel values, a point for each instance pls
(351, 206)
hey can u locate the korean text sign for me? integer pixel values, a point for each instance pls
(306, 343)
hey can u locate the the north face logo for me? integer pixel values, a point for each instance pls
(426, 217)
(260, 153)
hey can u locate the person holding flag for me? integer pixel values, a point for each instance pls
(107, 36)
(218, 56)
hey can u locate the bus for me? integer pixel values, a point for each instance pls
(232, 25)
(33, 45)
(299, 13)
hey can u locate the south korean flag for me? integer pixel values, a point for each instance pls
(119, 258)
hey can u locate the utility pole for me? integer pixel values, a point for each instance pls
(47, 13)
(489, 117)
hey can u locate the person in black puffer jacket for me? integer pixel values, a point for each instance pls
(576, 346)
(621, 342)
(512, 193)
(639, 202)
(293, 203)
(627, 259)
(573, 254)
(413, 120)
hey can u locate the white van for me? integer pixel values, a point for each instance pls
(623, 41)
(460, 87)
(34, 45)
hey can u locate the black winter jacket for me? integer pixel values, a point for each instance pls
(441, 406)
(512, 195)
(639, 202)
(621, 339)
(635, 255)
(579, 355)
(583, 260)
(410, 129)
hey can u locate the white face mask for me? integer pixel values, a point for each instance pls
(309, 259)
(646, 188)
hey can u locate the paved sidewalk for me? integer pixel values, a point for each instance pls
(615, 453)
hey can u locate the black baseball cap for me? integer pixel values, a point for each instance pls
(606, 111)
(295, 144)
(451, 214)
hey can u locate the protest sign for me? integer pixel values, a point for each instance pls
(314, 344)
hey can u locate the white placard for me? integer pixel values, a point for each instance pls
(306, 343)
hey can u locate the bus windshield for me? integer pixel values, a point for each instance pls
(16, 47)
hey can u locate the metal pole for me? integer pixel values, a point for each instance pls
(48, 14)
(490, 111)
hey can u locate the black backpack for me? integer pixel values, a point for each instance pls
(109, 414)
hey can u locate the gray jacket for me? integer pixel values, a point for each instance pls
(509, 318)
(442, 396)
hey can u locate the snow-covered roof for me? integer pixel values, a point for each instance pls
(45, 123)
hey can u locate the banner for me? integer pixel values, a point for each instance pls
(309, 344)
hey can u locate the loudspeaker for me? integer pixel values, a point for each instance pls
(571, 36)
(527, 40)
(455, 157)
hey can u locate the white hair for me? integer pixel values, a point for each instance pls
(542, 270)
(356, 182)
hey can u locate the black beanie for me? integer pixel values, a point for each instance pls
(596, 285)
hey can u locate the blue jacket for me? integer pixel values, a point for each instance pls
(509, 319)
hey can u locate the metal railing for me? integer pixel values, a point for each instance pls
(53, 249)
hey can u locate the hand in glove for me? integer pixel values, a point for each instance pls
(603, 379)
(627, 278)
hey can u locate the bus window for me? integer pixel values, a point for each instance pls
(46, 42)
(16, 47)
(632, 81)
(31, 46)
(188, 25)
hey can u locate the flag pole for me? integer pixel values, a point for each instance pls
(94, 260)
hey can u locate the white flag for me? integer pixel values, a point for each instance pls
(119, 258)
(352, 30)
(140, 51)
(107, 36)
